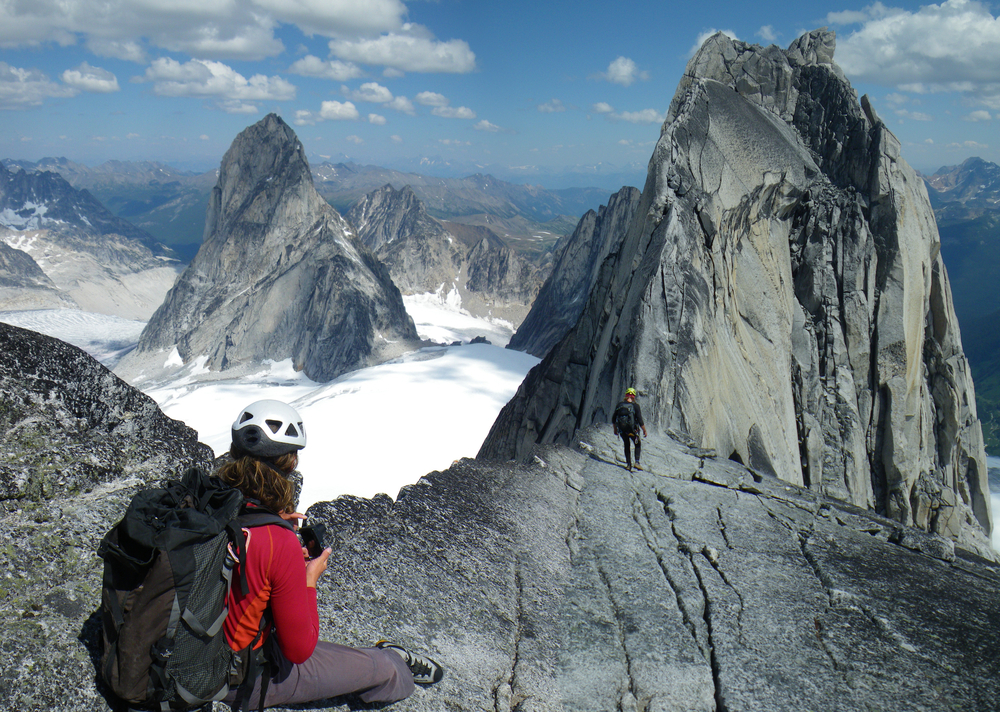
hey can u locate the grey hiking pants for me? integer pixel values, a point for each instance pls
(373, 674)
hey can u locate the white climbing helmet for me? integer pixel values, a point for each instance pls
(269, 428)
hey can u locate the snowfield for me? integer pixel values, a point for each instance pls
(370, 431)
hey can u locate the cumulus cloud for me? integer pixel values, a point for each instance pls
(337, 111)
(552, 107)
(979, 116)
(21, 88)
(356, 140)
(402, 105)
(453, 112)
(376, 119)
(767, 33)
(207, 79)
(623, 71)
(485, 125)
(243, 29)
(409, 51)
(441, 106)
(371, 92)
(646, 116)
(430, 98)
(92, 79)
(951, 46)
(310, 66)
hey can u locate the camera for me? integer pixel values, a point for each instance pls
(313, 538)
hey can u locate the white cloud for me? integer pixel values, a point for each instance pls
(371, 92)
(430, 98)
(396, 139)
(646, 116)
(454, 142)
(223, 29)
(979, 116)
(204, 137)
(337, 111)
(623, 71)
(21, 88)
(92, 79)
(204, 78)
(951, 46)
(914, 115)
(974, 145)
(402, 105)
(376, 119)
(485, 125)
(411, 52)
(310, 66)
(336, 17)
(129, 50)
(767, 33)
(356, 140)
(453, 112)
(551, 107)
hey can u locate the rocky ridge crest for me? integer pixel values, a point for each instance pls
(780, 297)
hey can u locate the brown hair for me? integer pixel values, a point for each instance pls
(263, 480)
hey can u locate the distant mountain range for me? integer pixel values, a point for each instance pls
(966, 200)
(170, 204)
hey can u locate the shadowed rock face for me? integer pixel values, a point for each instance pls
(278, 275)
(780, 296)
(564, 295)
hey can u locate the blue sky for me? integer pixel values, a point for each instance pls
(522, 89)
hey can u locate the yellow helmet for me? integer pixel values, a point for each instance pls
(630, 392)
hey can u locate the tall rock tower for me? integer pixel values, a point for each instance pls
(278, 276)
(779, 297)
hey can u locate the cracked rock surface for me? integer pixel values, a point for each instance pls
(568, 583)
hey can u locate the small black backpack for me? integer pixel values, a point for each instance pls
(168, 567)
(624, 418)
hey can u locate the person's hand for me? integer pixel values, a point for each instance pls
(293, 517)
(644, 433)
(316, 567)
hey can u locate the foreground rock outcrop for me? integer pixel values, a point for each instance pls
(781, 297)
(278, 276)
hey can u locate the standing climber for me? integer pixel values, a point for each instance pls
(626, 422)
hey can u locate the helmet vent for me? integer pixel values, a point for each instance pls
(291, 430)
(246, 417)
(274, 425)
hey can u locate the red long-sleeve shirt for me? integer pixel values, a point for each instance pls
(276, 577)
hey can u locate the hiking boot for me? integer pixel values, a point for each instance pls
(425, 671)
(637, 466)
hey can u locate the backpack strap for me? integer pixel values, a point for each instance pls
(259, 663)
